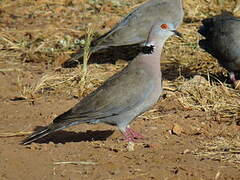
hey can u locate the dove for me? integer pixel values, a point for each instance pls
(125, 95)
(222, 41)
(134, 28)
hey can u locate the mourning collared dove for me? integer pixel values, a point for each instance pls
(222, 41)
(123, 96)
(134, 28)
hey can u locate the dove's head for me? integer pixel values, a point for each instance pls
(160, 32)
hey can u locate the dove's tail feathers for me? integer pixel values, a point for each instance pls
(43, 132)
(59, 123)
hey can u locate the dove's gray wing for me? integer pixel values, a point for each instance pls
(134, 28)
(119, 94)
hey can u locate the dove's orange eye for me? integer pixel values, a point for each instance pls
(164, 26)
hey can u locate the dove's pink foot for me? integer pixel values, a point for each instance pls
(131, 135)
(233, 77)
(135, 134)
(234, 80)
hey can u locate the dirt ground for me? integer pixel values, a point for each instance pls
(191, 133)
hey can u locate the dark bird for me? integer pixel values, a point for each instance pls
(222, 41)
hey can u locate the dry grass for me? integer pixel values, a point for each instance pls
(75, 162)
(221, 149)
(214, 95)
(74, 82)
(20, 133)
(87, 44)
(210, 96)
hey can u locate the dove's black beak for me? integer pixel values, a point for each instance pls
(177, 33)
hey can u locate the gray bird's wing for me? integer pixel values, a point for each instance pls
(228, 45)
(120, 93)
(223, 39)
(135, 27)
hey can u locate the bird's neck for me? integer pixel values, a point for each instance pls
(156, 41)
(153, 48)
(150, 56)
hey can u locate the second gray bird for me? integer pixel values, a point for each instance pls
(134, 28)
(222, 40)
(123, 96)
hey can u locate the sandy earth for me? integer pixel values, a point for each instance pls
(162, 155)
(174, 147)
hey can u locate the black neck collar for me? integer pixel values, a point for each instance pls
(148, 49)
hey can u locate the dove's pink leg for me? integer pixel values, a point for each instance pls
(131, 135)
(128, 137)
(135, 134)
(233, 78)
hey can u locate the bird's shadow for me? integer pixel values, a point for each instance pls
(109, 55)
(70, 136)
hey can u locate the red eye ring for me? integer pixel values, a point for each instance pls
(164, 26)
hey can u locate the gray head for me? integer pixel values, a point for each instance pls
(161, 31)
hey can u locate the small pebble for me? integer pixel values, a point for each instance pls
(130, 146)
(177, 129)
